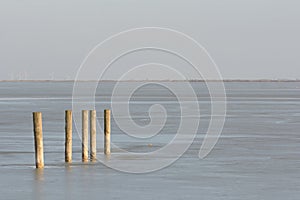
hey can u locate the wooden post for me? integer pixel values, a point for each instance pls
(107, 132)
(68, 136)
(93, 148)
(38, 139)
(85, 135)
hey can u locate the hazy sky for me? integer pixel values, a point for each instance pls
(248, 39)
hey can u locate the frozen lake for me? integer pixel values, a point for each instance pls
(256, 157)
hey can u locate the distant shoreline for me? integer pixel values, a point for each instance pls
(226, 80)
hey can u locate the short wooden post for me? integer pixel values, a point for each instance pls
(107, 132)
(68, 136)
(93, 148)
(85, 135)
(38, 139)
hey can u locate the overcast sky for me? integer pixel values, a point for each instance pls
(248, 39)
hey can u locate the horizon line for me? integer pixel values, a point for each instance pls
(161, 80)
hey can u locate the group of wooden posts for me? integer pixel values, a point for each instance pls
(38, 136)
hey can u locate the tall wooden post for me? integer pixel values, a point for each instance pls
(85, 135)
(38, 139)
(68, 136)
(107, 132)
(93, 147)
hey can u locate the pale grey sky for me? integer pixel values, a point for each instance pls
(248, 39)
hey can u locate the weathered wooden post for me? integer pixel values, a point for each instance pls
(107, 132)
(93, 148)
(85, 135)
(38, 139)
(68, 136)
